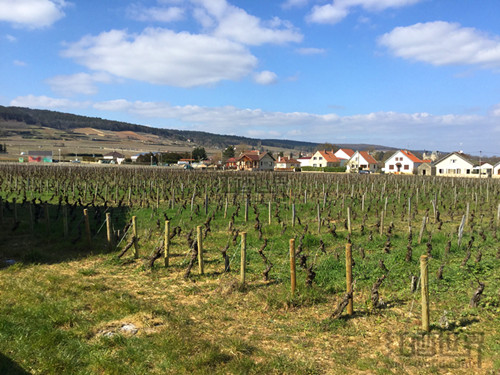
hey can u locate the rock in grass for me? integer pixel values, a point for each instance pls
(129, 328)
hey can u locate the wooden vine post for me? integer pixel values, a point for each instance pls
(498, 214)
(269, 212)
(166, 243)
(87, 226)
(246, 209)
(293, 280)
(348, 276)
(134, 234)
(424, 280)
(243, 257)
(199, 237)
(109, 231)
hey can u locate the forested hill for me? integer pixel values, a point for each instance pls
(68, 121)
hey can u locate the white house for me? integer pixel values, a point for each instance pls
(486, 169)
(403, 162)
(454, 164)
(284, 163)
(304, 161)
(361, 161)
(324, 159)
(496, 170)
(344, 154)
(114, 156)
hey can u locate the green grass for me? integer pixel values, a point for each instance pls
(60, 296)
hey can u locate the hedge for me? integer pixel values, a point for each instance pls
(324, 169)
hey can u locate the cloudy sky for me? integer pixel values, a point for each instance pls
(419, 74)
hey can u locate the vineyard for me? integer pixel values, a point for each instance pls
(149, 270)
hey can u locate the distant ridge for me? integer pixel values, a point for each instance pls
(68, 121)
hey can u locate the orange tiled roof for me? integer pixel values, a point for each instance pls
(369, 159)
(348, 151)
(329, 156)
(412, 157)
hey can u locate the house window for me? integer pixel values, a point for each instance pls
(406, 167)
(314, 158)
(320, 158)
(391, 166)
(441, 171)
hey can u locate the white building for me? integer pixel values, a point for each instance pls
(344, 154)
(454, 164)
(403, 162)
(304, 161)
(285, 163)
(361, 161)
(114, 157)
(485, 169)
(496, 170)
(324, 159)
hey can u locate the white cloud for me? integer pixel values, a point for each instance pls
(496, 110)
(161, 56)
(388, 128)
(265, 78)
(32, 14)
(328, 13)
(45, 102)
(11, 38)
(80, 83)
(412, 130)
(310, 51)
(19, 63)
(160, 14)
(339, 9)
(229, 21)
(294, 3)
(443, 43)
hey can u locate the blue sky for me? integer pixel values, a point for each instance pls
(418, 74)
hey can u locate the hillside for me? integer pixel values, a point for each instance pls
(67, 122)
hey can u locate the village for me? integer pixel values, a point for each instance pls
(343, 160)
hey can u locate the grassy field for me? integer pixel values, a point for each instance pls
(70, 308)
